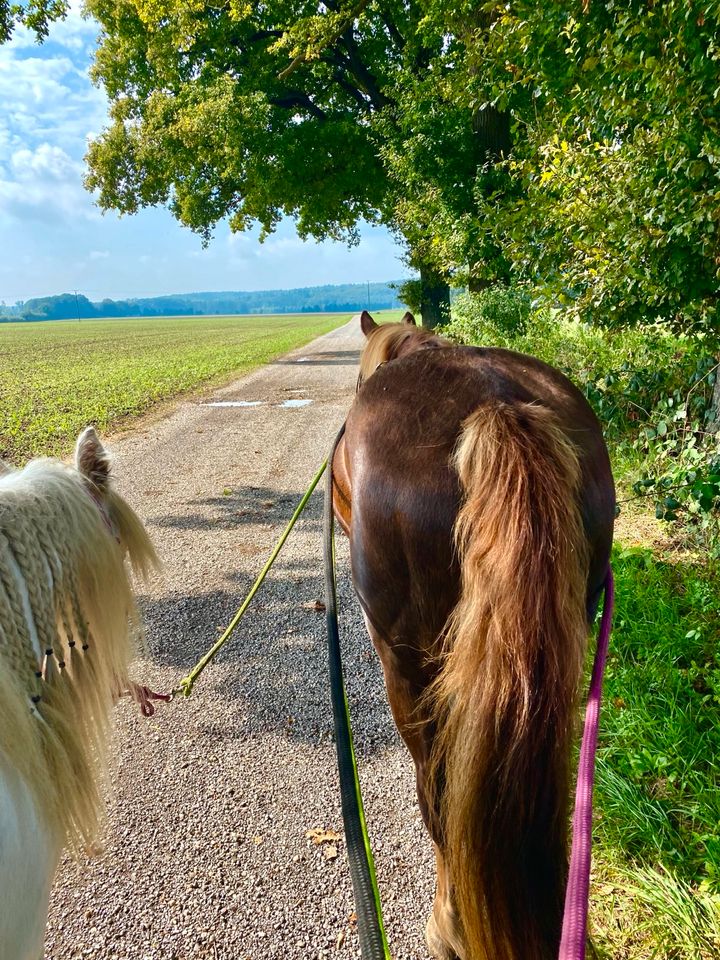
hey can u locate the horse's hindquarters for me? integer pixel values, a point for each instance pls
(28, 857)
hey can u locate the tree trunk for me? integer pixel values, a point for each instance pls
(434, 298)
(714, 425)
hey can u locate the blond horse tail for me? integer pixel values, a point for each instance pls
(505, 699)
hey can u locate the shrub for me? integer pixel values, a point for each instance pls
(502, 310)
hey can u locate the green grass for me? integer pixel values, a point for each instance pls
(657, 854)
(58, 376)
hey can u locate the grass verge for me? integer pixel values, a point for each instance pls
(656, 890)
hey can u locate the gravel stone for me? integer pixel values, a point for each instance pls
(209, 802)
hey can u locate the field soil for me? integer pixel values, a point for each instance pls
(211, 801)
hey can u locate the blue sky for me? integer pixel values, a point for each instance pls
(53, 239)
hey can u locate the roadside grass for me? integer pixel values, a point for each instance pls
(56, 377)
(656, 889)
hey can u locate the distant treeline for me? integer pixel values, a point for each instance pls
(329, 299)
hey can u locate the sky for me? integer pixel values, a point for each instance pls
(53, 239)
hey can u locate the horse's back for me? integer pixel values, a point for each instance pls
(476, 488)
(400, 437)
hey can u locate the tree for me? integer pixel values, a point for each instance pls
(290, 108)
(36, 15)
(611, 197)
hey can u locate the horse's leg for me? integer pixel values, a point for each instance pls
(442, 934)
(405, 688)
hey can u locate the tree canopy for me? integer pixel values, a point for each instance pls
(327, 113)
(610, 198)
(247, 111)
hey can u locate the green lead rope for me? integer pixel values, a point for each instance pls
(373, 942)
(186, 684)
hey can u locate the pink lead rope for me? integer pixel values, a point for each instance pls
(574, 929)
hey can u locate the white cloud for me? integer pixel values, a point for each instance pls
(48, 98)
(43, 184)
(282, 246)
(99, 254)
(76, 31)
(45, 163)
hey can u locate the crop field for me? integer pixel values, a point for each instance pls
(58, 376)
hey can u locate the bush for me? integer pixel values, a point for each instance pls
(681, 457)
(503, 310)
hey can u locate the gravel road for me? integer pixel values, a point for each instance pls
(206, 853)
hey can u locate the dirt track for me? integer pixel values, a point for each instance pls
(206, 848)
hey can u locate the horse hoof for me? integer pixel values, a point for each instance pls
(436, 943)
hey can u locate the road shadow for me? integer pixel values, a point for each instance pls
(241, 506)
(271, 678)
(331, 358)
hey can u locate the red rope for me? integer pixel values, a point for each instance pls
(144, 697)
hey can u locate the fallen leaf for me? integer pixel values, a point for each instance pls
(318, 835)
(257, 840)
(227, 491)
(316, 605)
(330, 852)
(340, 940)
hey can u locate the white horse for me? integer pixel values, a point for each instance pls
(68, 622)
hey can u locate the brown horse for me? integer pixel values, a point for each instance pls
(476, 490)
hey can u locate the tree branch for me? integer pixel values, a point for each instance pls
(339, 31)
(393, 30)
(367, 81)
(295, 99)
(360, 98)
(256, 37)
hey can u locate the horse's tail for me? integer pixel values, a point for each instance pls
(504, 701)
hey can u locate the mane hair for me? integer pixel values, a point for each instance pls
(392, 340)
(68, 630)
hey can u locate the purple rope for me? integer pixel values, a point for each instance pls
(574, 929)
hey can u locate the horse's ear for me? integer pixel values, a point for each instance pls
(409, 319)
(92, 459)
(367, 324)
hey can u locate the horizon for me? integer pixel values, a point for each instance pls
(229, 291)
(200, 293)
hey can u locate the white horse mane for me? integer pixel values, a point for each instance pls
(68, 623)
